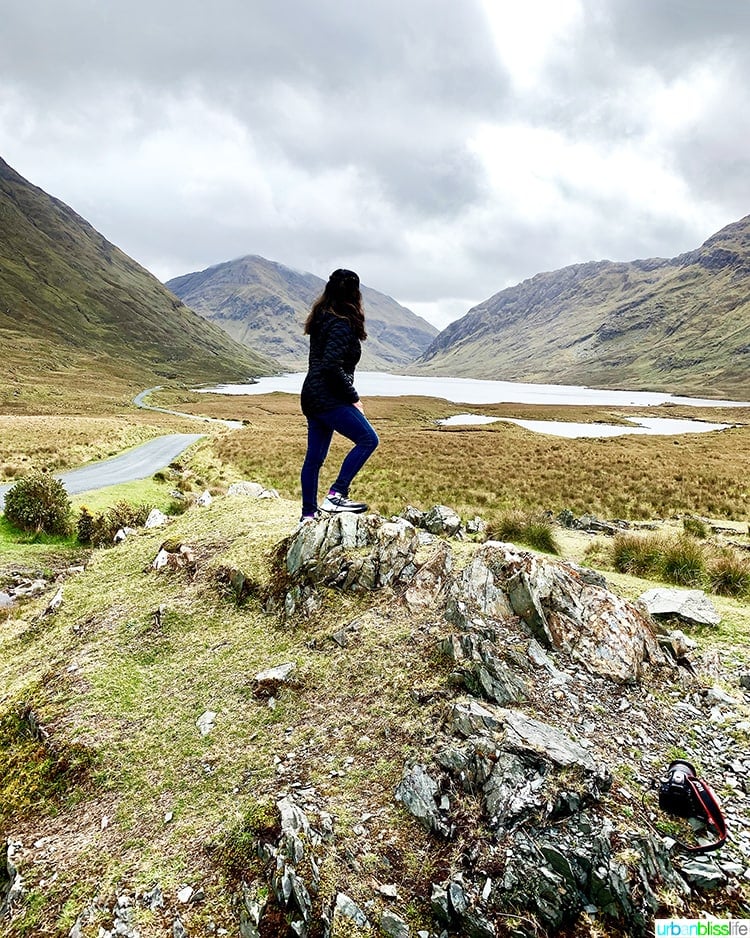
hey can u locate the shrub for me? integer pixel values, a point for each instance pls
(636, 554)
(695, 527)
(100, 530)
(533, 529)
(682, 562)
(729, 574)
(38, 502)
(85, 526)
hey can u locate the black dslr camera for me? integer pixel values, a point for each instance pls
(676, 795)
(683, 794)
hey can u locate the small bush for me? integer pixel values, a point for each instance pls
(695, 527)
(38, 502)
(729, 574)
(100, 530)
(682, 562)
(85, 526)
(533, 529)
(636, 554)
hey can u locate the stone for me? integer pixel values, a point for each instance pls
(468, 718)
(350, 910)
(204, 500)
(393, 925)
(268, 682)
(6, 600)
(418, 792)
(702, 872)
(54, 604)
(744, 679)
(690, 605)
(612, 637)
(413, 516)
(205, 722)
(441, 520)
(185, 894)
(178, 929)
(246, 490)
(156, 519)
(428, 584)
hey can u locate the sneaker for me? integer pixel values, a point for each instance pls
(335, 502)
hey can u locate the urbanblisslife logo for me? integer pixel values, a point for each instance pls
(688, 927)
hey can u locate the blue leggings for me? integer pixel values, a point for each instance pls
(349, 422)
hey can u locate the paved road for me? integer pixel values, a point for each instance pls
(138, 463)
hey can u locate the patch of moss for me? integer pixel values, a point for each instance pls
(235, 852)
(37, 773)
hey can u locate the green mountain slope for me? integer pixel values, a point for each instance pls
(72, 304)
(264, 304)
(679, 325)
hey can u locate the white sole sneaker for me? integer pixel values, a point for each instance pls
(336, 503)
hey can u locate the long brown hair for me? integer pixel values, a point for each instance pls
(342, 297)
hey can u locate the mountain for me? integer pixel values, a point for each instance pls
(264, 305)
(73, 305)
(678, 325)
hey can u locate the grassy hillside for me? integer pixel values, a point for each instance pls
(116, 792)
(680, 325)
(264, 304)
(77, 315)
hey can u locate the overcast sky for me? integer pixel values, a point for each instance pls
(444, 149)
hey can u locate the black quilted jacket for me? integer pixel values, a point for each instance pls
(334, 353)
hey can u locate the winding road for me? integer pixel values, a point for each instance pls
(138, 463)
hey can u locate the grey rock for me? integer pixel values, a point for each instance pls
(744, 680)
(439, 903)
(178, 929)
(690, 605)
(246, 490)
(413, 516)
(441, 520)
(11, 882)
(418, 792)
(469, 718)
(526, 735)
(393, 925)
(703, 872)
(427, 586)
(349, 909)
(155, 519)
(6, 600)
(270, 679)
(612, 637)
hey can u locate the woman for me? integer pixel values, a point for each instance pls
(336, 326)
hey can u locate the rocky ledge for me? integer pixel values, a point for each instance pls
(565, 826)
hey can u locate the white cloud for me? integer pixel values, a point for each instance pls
(445, 150)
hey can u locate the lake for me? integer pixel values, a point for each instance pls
(476, 391)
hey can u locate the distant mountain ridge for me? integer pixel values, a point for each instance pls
(680, 324)
(71, 303)
(263, 304)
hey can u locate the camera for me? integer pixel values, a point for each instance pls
(676, 794)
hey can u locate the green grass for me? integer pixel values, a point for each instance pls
(681, 560)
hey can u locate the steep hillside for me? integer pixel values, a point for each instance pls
(75, 307)
(679, 325)
(263, 304)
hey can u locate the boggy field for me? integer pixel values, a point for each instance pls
(489, 469)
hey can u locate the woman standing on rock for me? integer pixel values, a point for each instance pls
(336, 326)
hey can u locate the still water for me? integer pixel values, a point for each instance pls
(476, 391)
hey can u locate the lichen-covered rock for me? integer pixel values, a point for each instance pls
(562, 610)
(442, 520)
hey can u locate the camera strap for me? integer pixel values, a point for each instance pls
(713, 814)
(706, 806)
